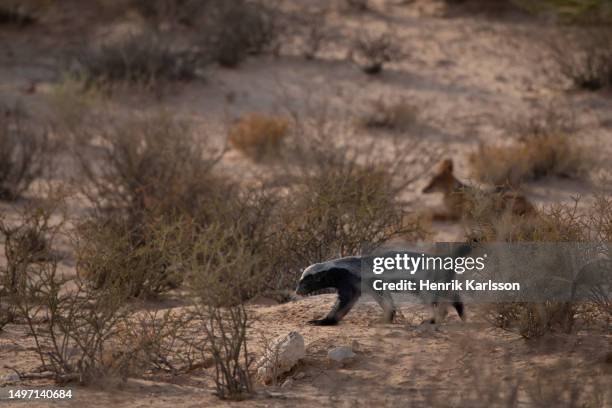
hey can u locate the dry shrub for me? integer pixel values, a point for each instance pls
(153, 186)
(151, 176)
(312, 31)
(586, 58)
(342, 201)
(174, 11)
(225, 329)
(112, 252)
(73, 103)
(552, 386)
(259, 136)
(339, 209)
(224, 271)
(244, 228)
(7, 311)
(508, 382)
(143, 59)
(556, 223)
(358, 6)
(235, 29)
(152, 164)
(393, 115)
(164, 341)
(372, 51)
(25, 243)
(69, 322)
(544, 148)
(560, 223)
(20, 13)
(532, 320)
(595, 279)
(25, 154)
(599, 221)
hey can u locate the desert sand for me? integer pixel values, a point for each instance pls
(471, 74)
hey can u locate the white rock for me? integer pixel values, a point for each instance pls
(281, 355)
(341, 354)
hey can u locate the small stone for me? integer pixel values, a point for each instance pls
(299, 376)
(341, 355)
(355, 345)
(288, 383)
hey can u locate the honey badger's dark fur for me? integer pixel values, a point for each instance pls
(344, 275)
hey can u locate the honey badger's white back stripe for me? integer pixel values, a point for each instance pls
(351, 264)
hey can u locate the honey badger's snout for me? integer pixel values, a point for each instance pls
(309, 283)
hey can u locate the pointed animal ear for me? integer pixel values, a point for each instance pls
(446, 166)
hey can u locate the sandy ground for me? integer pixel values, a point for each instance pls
(396, 364)
(470, 75)
(400, 364)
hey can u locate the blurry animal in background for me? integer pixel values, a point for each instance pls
(460, 199)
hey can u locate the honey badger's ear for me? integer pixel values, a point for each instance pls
(446, 166)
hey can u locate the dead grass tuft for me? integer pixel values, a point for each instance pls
(259, 136)
(391, 115)
(372, 51)
(543, 149)
(586, 58)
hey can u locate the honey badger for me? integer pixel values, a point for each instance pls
(345, 275)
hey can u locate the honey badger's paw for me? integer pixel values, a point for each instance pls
(323, 322)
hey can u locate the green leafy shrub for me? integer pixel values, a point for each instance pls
(547, 147)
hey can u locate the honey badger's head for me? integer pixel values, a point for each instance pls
(313, 278)
(332, 274)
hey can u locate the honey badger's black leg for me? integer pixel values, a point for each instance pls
(347, 297)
